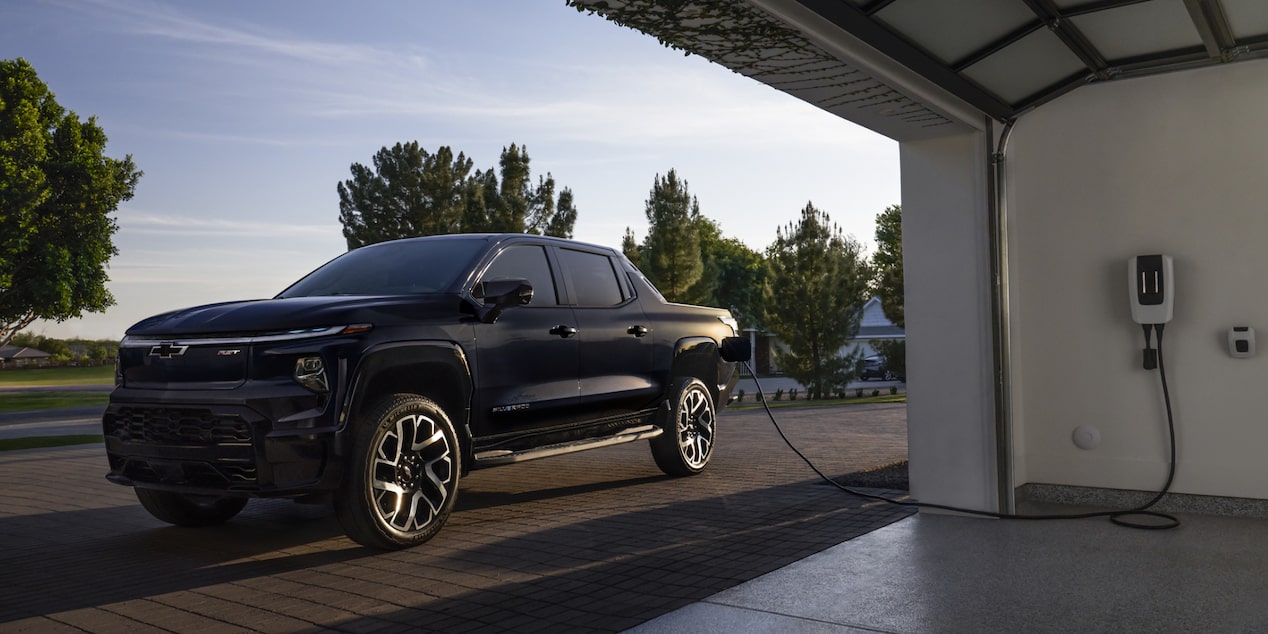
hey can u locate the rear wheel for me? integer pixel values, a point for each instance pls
(690, 430)
(403, 476)
(189, 510)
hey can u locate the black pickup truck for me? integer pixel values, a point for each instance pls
(383, 376)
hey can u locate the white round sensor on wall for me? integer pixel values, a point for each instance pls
(1086, 437)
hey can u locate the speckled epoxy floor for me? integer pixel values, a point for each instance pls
(940, 573)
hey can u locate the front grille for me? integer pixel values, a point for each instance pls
(176, 426)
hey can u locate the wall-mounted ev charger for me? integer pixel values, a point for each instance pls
(1152, 287)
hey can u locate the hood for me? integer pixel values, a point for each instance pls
(262, 316)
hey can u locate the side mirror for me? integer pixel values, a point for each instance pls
(498, 295)
(736, 349)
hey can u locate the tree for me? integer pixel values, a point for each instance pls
(733, 275)
(629, 247)
(817, 286)
(411, 192)
(670, 254)
(57, 191)
(887, 262)
(561, 223)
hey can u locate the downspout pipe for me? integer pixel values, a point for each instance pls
(1001, 344)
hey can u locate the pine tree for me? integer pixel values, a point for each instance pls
(815, 294)
(670, 255)
(411, 192)
(888, 262)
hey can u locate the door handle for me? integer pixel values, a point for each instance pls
(638, 331)
(563, 331)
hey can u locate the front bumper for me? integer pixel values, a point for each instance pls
(204, 443)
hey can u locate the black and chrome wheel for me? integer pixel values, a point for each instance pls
(690, 430)
(403, 477)
(189, 510)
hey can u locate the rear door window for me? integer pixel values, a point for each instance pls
(592, 278)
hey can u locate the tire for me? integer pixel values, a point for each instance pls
(189, 510)
(402, 479)
(691, 427)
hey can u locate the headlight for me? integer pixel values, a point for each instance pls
(310, 372)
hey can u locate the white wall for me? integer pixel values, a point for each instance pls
(1174, 164)
(946, 267)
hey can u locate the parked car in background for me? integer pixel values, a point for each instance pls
(874, 368)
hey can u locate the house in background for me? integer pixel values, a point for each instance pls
(873, 326)
(20, 357)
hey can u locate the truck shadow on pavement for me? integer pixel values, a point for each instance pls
(598, 556)
(596, 541)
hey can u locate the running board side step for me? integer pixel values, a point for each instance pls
(501, 457)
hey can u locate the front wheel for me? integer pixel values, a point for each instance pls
(691, 429)
(189, 510)
(403, 476)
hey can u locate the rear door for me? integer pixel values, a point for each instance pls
(615, 365)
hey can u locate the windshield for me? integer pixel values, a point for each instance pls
(402, 267)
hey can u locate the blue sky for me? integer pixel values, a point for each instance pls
(244, 115)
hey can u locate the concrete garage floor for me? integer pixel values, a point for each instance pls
(597, 541)
(937, 573)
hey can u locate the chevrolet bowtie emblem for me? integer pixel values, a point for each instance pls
(167, 350)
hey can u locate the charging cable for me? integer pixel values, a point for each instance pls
(1120, 517)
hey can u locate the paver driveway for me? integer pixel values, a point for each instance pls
(593, 541)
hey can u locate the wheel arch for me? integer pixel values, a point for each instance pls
(437, 370)
(696, 357)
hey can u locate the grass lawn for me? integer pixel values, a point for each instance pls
(28, 401)
(748, 402)
(40, 442)
(93, 375)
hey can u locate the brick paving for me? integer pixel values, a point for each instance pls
(596, 541)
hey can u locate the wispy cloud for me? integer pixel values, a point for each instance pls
(632, 104)
(213, 138)
(142, 222)
(167, 21)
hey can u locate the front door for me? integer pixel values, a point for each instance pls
(526, 361)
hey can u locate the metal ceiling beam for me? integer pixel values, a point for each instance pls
(871, 9)
(1097, 5)
(996, 46)
(856, 22)
(1212, 24)
(1070, 35)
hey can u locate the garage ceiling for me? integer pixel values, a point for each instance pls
(999, 57)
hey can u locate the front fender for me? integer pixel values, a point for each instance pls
(437, 370)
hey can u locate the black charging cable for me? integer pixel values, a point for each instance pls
(1119, 517)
